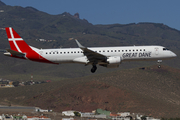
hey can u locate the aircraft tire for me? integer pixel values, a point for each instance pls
(159, 66)
(94, 68)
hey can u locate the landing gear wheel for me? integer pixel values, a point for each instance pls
(93, 69)
(159, 63)
(159, 66)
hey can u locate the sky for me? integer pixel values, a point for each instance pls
(111, 11)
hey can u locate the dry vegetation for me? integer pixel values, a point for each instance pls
(152, 91)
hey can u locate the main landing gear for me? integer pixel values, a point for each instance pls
(93, 69)
(159, 63)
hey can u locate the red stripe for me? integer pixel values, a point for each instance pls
(32, 55)
(13, 47)
(23, 46)
(8, 33)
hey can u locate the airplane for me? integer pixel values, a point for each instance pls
(110, 57)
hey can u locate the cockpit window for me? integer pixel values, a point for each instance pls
(165, 49)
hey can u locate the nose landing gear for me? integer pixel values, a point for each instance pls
(159, 63)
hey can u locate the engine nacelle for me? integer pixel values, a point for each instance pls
(114, 60)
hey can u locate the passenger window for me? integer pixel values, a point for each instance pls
(122, 50)
(118, 50)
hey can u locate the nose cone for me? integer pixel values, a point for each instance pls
(173, 55)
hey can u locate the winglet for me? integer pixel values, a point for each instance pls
(79, 44)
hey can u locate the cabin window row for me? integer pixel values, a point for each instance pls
(97, 51)
(64, 52)
(122, 50)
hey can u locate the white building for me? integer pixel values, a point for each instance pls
(151, 118)
(124, 114)
(68, 113)
(37, 118)
(67, 118)
(121, 118)
(92, 115)
(37, 109)
(6, 117)
(138, 117)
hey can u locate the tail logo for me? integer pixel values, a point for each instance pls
(13, 37)
(20, 48)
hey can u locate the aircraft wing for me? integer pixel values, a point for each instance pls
(92, 55)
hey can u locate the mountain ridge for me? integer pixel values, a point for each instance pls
(2, 3)
(35, 25)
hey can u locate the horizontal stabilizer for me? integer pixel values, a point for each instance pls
(14, 53)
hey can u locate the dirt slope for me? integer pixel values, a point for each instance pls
(152, 91)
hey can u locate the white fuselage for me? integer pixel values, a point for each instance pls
(128, 53)
(109, 57)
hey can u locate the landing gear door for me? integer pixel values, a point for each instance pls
(156, 50)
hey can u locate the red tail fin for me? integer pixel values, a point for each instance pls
(16, 42)
(20, 49)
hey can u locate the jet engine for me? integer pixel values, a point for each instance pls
(114, 60)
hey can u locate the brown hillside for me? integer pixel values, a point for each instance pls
(151, 91)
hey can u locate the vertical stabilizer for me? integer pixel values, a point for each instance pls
(20, 49)
(16, 42)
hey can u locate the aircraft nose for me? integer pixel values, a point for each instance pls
(173, 54)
